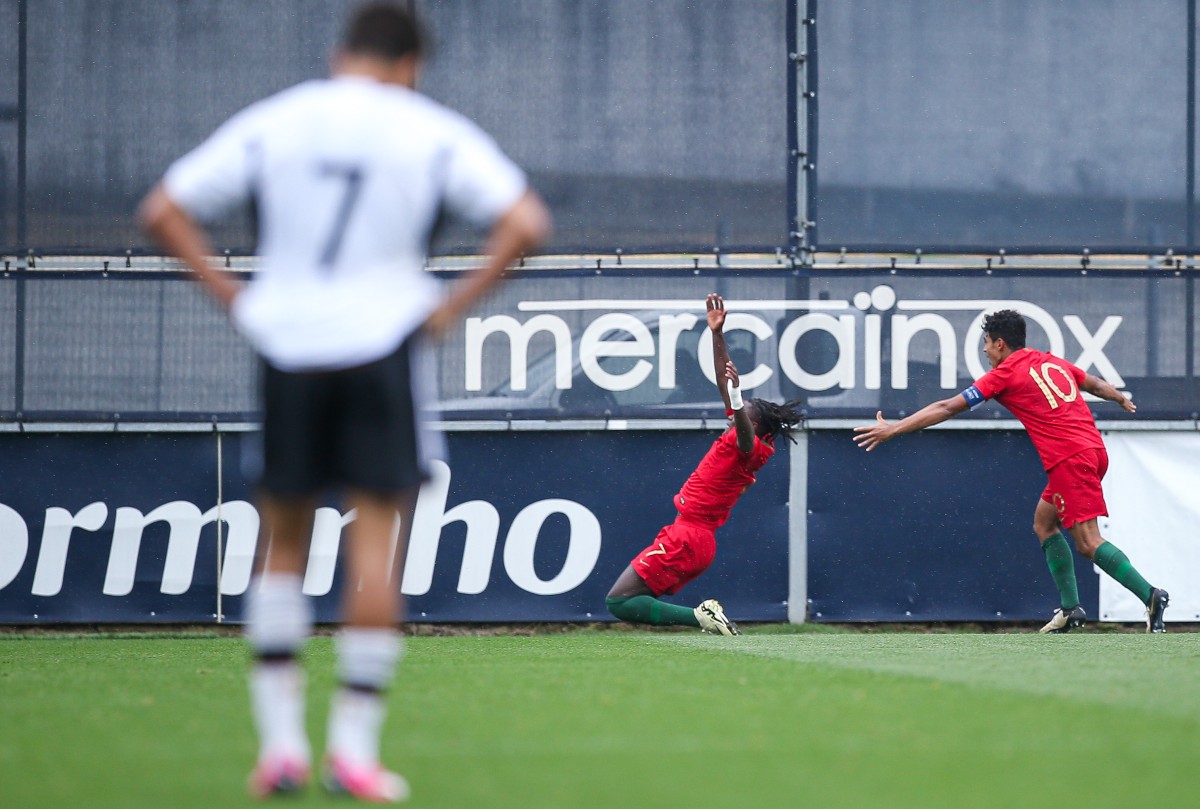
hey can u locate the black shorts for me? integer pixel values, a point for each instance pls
(355, 428)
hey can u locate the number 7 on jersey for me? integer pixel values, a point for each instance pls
(351, 177)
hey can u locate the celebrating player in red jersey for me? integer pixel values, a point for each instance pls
(684, 549)
(1043, 391)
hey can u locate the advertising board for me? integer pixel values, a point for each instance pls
(517, 527)
(845, 344)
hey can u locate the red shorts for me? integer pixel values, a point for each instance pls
(680, 553)
(1074, 487)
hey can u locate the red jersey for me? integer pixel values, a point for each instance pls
(1043, 391)
(720, 479)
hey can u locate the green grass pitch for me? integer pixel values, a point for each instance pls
(818, 718)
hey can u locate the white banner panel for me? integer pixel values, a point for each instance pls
(1153, 495)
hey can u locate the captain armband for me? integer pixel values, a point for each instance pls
(973, 397)
(735, 396)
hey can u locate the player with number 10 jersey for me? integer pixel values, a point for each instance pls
(1046, 392)
(1043, 391)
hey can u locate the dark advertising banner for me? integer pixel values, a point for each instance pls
(105, 527)
(517, 527)
(937, 526)
(845, 343)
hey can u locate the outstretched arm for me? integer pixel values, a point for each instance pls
(871, 436)
(1106, 390)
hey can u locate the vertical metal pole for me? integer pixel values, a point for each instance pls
(795, 160)
(160, 343)
(1189, 286)
(810, 74)
(22, 203)
(220, 526)
(1191, 126)
(22, 119)
(799, 283)
(802, 129)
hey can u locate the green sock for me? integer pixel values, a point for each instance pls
(1113, 562)
(1062, 568)
(648, 610)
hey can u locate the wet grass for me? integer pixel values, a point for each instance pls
(826, 717)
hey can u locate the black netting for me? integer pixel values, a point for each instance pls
(9, 75)
(644, 125)
(127, 344)
(8, 345)
(1008, 123)
(571, 344)
(649, 126)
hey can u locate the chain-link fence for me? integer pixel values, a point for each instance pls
(645, 125)
(1021, 124)
(580, 343)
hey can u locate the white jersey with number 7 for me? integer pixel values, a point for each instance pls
(349, 176)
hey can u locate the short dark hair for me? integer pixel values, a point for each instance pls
(1007, 325)
(385, 30)
(774, 419)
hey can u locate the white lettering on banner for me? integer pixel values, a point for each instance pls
(670, 327)
(185, 522)
(904, 329)
(636, 336)
(56, 538)
(482, 522)
(1093, 346)
(734, 321)
(241, 541)
(519, 334)
(323, 549)
(842, 330)
(583, 546)
(14, 544)
(593, 346)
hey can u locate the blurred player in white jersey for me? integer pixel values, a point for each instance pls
(349, 175)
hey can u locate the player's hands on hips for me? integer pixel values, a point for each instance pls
(871, 436)
(716, 312)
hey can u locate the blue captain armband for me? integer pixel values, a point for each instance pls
(973, 397)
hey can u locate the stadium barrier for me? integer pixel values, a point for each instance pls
(122, 504)
(157, 527)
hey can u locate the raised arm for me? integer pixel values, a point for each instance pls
(715, 306)
(741, 419)
(1106, 390)
(728, 382)
(871, 436)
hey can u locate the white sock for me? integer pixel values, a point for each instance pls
(277, 699)
(367, 660)
(355, 725)
(278, 623)
(278, 615)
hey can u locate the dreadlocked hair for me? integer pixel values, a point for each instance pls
(777, 420)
